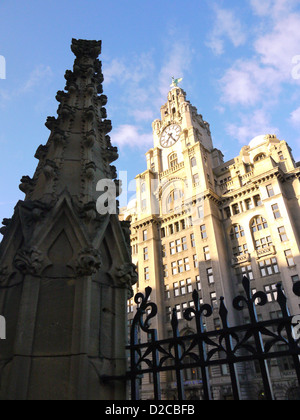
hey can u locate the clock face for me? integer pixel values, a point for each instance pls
(170, 135)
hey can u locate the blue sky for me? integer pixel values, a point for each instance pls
(239, 61)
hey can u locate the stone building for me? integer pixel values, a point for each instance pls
(65, 269)
(201, 223)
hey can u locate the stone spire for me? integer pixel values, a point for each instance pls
(65, 270)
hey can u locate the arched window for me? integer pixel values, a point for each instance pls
(173, 160)
(258, 224)
(259, 157)
(174, 199)
(193, 162)
(143, 187)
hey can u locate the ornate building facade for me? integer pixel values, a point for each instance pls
(201, 223)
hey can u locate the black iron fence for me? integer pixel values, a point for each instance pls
(255, 341)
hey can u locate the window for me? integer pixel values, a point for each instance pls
(270, 190)
(184, 243)
(143, 187)
(263, 243)
(145, 236)
(235, 209)
(180, 266)
(195, 178)
(210, 276)
(178, 311)
(165, 269)
(163, 232)
(203, 232)
(174, 268)
(146, 274)
(176, 289)
(198, 283)
(213, 298)
(295, 279)
(173, 160)
(193, 162)
(193, 242)
(258, 224)
(206, 253)
(268, 267)
(145, 253)
(249, 204)
(144, 204)
(240, 250)
(200, 212)
(189, 285)
(195, 261)
(168, 313)
(282, 234)
(130, 306)
(167, 292)
(178, 245)
(186, 264)
(163, 251)
(276, 211)
(280, 155)
(182, 287)
(271, 292)
(245, 271)
(289, 258)
(257, 200)
(172, 248)
(237, 232)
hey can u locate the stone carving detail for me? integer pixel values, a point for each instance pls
(5, 223)
(41, 152)
(90, 139)
(89, 170)
(127, 276)
(29, 261)
(83, 48)
(27, 184)
(88, 262)
(126, 231)
(51, 123)
(50, 169)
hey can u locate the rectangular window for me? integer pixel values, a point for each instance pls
(182, 287)
(186, 264)
(171, 229)
(198, 283)
(276, 211)
(168, 313)
(203, 232)
(178, 245)
(271, 292)
(174, 268)
(246, 271)
(145, 235)
(213, 298)
(210, 276)
(235, 209)
(189, 285)
(163, 251)
(249, 204)
(269, 267)
(257, 200)
(172, 248)
(146, 273)
(195, 179)
(295, 278)
(206, 253)
(180, 266)
(270, 190)
(145, 253)
(200, 212)
(184, 243)
(176, 289)
(167, 291)
(165, 269)
(193, 242)
(282, 234)
(195, 261)
(178, 311)
(289, 258)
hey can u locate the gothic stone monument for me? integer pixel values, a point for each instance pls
(65, 270)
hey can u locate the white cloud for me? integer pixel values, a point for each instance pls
(130, 136)
(295, 117)
(261, 77)
(226, 26)
(38, 75)
(251, 126)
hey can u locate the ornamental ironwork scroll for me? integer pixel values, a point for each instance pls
(254, 341)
